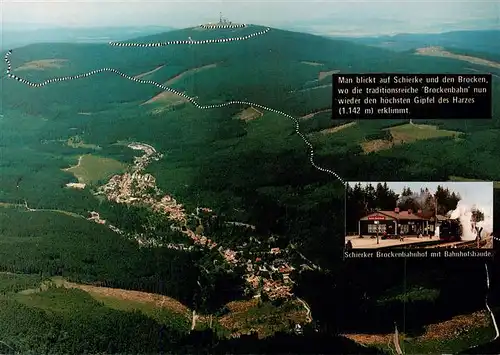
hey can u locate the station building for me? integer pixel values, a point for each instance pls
(398, 222)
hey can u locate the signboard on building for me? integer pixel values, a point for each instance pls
(376, 218)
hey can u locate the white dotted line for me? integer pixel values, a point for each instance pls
(189, 41)
(223, 26)
(190, 99)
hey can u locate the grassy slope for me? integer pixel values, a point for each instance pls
(92, 169)
(60, 300)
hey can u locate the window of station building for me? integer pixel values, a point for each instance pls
(372, 228)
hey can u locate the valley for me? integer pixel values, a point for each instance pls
(139, 189)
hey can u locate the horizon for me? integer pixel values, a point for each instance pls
(332, 18)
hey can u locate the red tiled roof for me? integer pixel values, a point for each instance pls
(393, 215)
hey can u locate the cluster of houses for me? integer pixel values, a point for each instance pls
(95, 217)
(128, 188)
(150, 154)
(265, 273)
(270, 279)
(270, 274)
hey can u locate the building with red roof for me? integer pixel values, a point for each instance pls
(399, 222)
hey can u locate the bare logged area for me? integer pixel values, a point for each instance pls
(376, 145)
(148, 72)
(42, 64)
(242, 306)
(323, 74)
(337, 128)
(447, 330)
(312, 63)
(407, 133)
(166, 97)
(370, 339)
(317, 87)
(413, 132)
(76, 185)
(188, 72)
(249, 114)
(456, 326)
(250, 316)
(136, 296)
(440, 52)
(311, 115)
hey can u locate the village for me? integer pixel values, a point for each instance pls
(267, 269)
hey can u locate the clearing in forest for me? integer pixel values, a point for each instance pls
(440, 52)
(91, 169)
(148, 72)
(77, 142)
(407, 133)
(42, 64)
(242, 317)
(316, 87)
(128, 299)
(412, 132)
(450, 336)
(188, 72)
(265, 319)
(167, 98)
(337, 128)
(376, 145)
(323, 74)
(249, 114)
(311, 115)
(312, 63)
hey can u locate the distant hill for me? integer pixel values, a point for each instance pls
(12, 36)
(360, 25)
(479, 41)
(272, 69)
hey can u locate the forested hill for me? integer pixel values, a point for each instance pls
(478, 40)
(263, 69)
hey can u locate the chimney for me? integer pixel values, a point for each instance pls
(419, 212)
(396, 210)
(410, 211)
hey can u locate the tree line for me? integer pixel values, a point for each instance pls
(363, 200)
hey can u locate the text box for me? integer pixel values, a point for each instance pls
(419, 253)
(412, 96)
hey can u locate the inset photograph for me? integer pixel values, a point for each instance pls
(395, 215)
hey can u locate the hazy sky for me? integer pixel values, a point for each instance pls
(479, 193)
(330, 16)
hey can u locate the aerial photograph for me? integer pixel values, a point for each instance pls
(173, 180)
